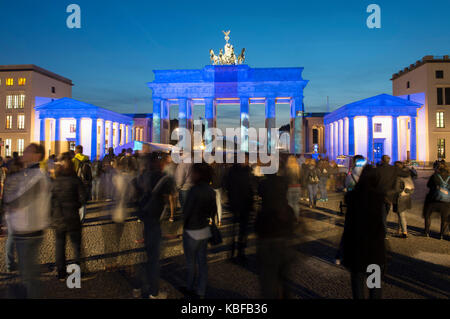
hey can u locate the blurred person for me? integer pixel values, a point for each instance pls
(108, 173)
(438, 199)
(27, 205)
(153, 189)
(324, 174)
(68, 195)
(239, 187)
(304, 179)
(97, 176)
(10, 261)
(274, 227)
(183, 180)
(386, 182)
(364, 235)
(333, 177)
(402, 199)
(199, 209)
(292, 172)
(169, 170)
(128, 162)
(217, 184)
(312, 181)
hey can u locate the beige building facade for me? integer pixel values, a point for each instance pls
(21, 88)
(428, 83)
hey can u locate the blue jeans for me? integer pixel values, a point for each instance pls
(323, 188)
(312, 193)
(152, 239)
(9, 251)
(27, 252)
(195, 252)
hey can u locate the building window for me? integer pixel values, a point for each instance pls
(9, 121)
(440, 119)
(447, 96)
(407, 85)
(440, 96)
(53, 90)
(21, 121)
(439, 74)
(9, 82)
(441, 148)
(73, 128)
(8, 147)
(20, 146)
(22, 81)
(378, 128)
(16, 101)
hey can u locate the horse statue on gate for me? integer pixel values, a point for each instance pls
(241, 57)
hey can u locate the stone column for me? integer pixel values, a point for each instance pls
(122, 133)
(182, 102)
(394, 139)
(115, 139)
(189, 115)
(370, 138)
(156, 128)
(42, 131)
(165, 122)
(57, 136)
(78, 131)
(102, 139)
(210, 116)
(245, 123)
(296, 123)
(110, 135)
(270, 122)
(93, 139)
(351, 136)
(413, 138)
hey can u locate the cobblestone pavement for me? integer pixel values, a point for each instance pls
(419, 266)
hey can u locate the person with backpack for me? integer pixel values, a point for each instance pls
(438, 198)
(402, 199)
(312, 180)
(83, 170)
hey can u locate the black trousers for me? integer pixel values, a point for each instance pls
(75, 238)
(443, 209)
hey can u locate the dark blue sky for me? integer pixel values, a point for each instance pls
(112, 56)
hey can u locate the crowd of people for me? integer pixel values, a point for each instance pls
(38, 194)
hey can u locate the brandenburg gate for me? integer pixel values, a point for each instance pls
(228, 81)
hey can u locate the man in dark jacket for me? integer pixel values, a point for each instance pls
(240, 195)
(363, 238)
(386, 178)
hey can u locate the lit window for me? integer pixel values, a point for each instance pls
(378, 128)
(22, 81)
(440, 119)
(9, 81)
(20, 146)
(16, 101)
(441, 148)
(8, 147)
(8, 121)
(73, 128)
(21, 121)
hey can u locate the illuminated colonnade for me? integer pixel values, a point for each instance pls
(66, 120)
(372, 127)
(228, 84)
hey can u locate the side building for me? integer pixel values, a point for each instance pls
(428, 82)
(21, 87)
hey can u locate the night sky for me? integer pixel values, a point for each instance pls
(112, 56)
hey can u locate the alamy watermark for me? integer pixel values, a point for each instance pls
(74, 19)
(374, 19)
(74, 278)
(374, 279)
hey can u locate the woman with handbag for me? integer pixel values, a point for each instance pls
(199, 210)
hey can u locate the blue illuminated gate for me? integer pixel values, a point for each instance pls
(378, 150)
